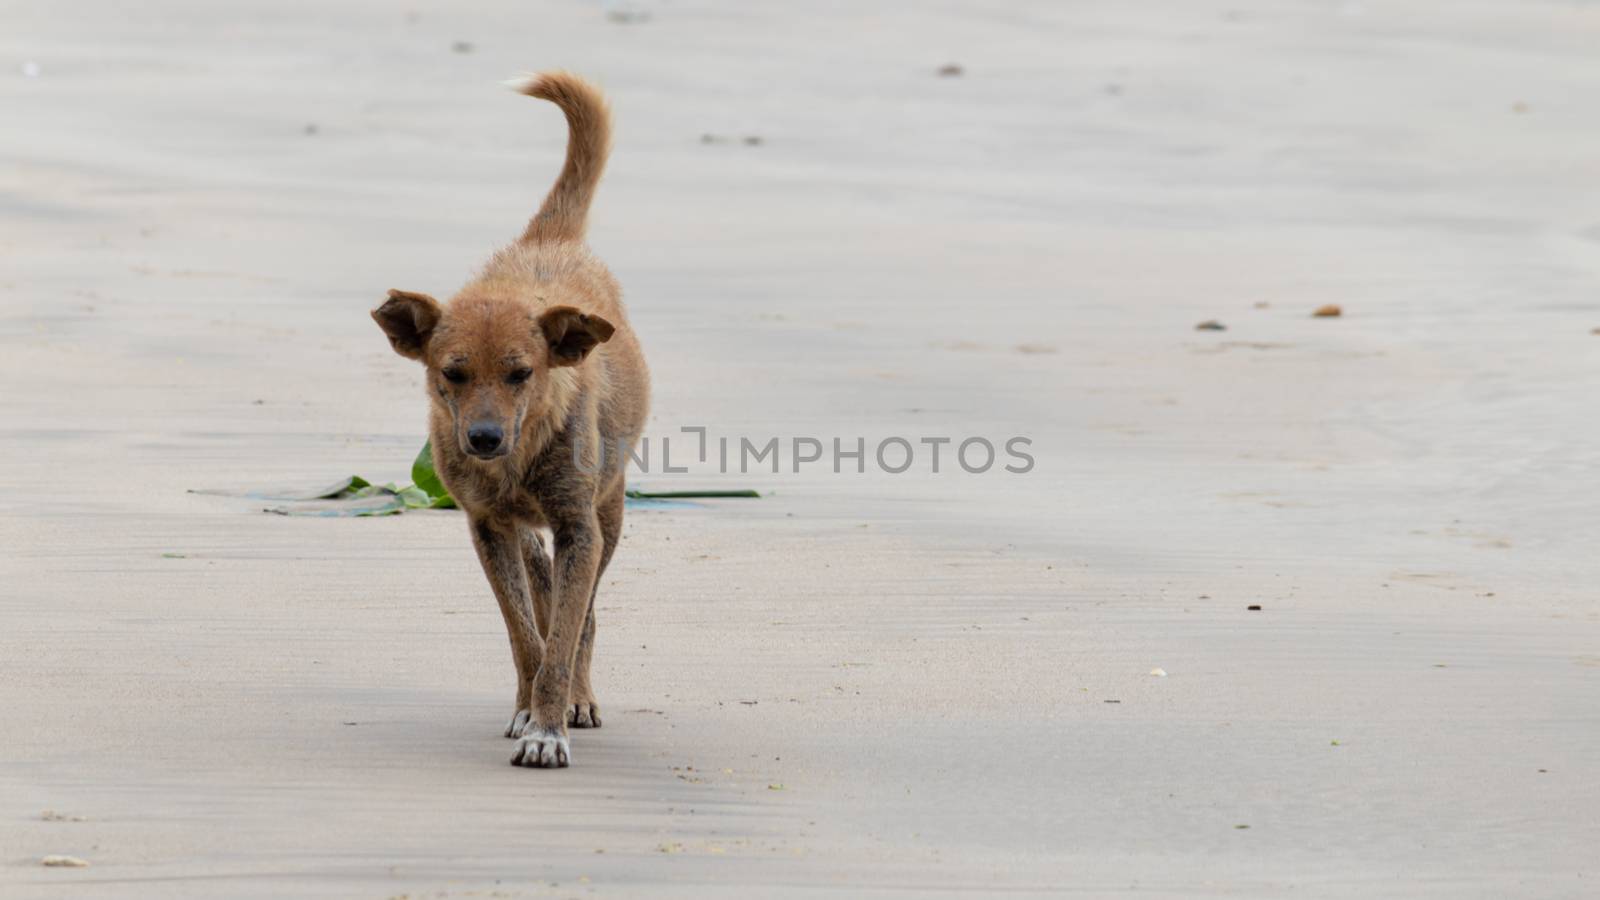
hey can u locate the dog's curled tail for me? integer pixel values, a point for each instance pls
(564, 215)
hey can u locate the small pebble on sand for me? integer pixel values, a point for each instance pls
(625, 14)
(951, 70)
(1332, 310)
(64, 862)
(1211, 325)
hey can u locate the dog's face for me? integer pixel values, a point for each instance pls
(489, 359)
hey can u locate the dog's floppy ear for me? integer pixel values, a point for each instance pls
(572, 334)
(408, 319)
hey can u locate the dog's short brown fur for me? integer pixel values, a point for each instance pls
(532, 370)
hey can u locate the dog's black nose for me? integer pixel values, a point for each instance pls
(485, 438)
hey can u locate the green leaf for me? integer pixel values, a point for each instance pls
(687, 495)
(425, 477)
(414, 497)
(393, 507)
(356, 496)
(345, 488)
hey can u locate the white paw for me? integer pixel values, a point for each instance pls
(519, 723)
(542, 748)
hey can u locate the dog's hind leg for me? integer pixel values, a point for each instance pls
(542, 586)
(500, 551)
(585, 712)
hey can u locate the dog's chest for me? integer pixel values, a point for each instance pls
(498, 491)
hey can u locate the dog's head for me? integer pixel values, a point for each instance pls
(490, 359)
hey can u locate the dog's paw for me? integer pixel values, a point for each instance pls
(519, 723)
(542, 748)
(584, 714)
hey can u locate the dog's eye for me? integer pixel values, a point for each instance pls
(455, 376)
(519, 376)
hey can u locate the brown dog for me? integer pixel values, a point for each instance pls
(535, 379)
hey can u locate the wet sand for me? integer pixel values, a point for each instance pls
(862, 684)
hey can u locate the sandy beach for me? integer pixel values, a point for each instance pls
(1360, 548)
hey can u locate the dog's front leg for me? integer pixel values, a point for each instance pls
(577, 557)
(500, 550)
